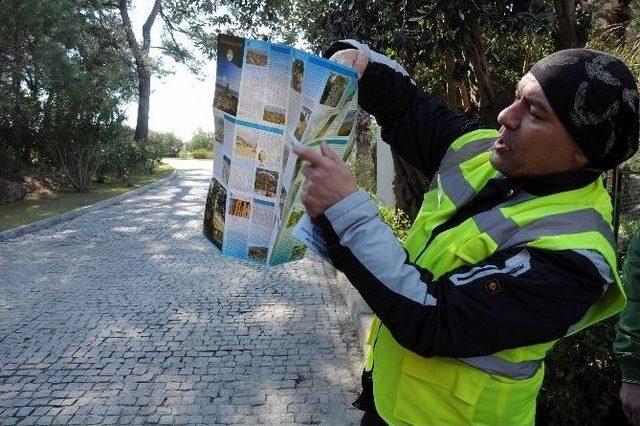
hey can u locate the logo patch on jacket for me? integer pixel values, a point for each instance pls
(493, 286)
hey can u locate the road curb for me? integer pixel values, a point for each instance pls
(360, 313)
(62, 217)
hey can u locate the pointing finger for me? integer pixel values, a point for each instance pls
(308, 154)
(328, 152)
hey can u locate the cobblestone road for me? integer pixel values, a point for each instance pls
(126, 315)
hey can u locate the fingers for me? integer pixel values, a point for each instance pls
(352, 58)
(312, 156)
(327, 152)
(306, 170)
(361, 62)
(311, 204)
(345, 57)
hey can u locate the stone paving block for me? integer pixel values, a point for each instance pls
(29, 420)
(62, 419)
(45, 420)
(129, 315)
(25, 411)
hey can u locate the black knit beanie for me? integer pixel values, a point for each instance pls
(595, 97)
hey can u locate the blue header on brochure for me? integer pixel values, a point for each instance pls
(254, 125)
(333, 66)
(263, 202)
(336, 141)
(281, 49)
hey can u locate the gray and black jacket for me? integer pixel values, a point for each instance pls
(459, 315)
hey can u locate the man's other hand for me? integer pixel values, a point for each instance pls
(352, 58)
(329, 179)
(630, 398)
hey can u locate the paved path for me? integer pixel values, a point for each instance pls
(128, 315)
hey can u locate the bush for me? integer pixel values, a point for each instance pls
(582, 380)
(185, 155)
(396, 219)
(201, 140)
(8, 160)
(166, 143)
(125, 157)
(202, 154)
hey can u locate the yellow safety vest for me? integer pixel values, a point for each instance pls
(498, 389)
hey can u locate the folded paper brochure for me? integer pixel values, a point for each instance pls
(269, 97)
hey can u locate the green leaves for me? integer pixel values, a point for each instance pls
(65, 74)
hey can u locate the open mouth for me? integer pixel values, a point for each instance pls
(501, 145)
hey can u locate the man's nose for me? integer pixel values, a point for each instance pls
(510, 116)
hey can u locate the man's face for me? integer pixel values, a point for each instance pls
(532, 140)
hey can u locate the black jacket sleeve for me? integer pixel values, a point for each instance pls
(514, 298)
(418, 127)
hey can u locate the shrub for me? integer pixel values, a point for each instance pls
(185, 155)
(200, 140)
(167, 144)
(202, 154)
(582, 380)
(8, 160)
(396, 219)
(125, 157)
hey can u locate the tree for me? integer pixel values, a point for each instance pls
(197, 22)
(143, 63)
(573, 21)
(66, 73)
(468, 53)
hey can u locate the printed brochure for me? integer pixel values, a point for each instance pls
(268, 98)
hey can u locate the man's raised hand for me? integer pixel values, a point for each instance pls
(352, 58)
(329, 179)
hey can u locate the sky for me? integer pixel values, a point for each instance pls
(180, 102)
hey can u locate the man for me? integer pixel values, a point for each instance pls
(511, 250)
(627, 344)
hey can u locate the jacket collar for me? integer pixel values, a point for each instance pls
(554, 183)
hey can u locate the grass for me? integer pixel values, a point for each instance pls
(50, 203)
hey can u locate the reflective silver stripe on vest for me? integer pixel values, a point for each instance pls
(506, 233)
(493, 365)
(601, 264)
(450, 176)
(516, 265)
(456, 187)
(454, 158)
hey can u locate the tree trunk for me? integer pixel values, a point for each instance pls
(409, 186)
(474, 52)
(619, 18)
(452, 85)
(144, 94)
(16, 114)
(141, 56)
(364, 161)
(566, 32)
